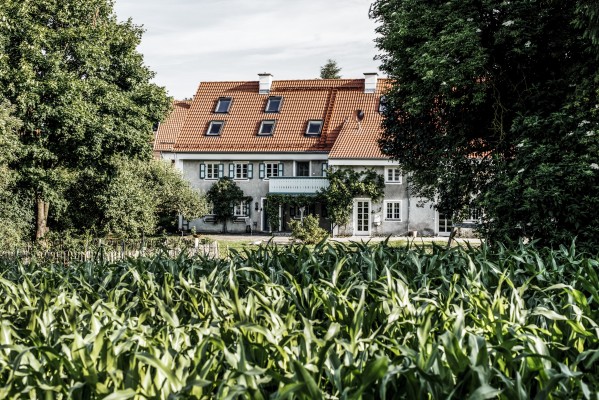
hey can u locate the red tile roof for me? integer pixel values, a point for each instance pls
(335, 101)
(168, 130)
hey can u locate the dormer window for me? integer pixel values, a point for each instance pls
(273, 105)
(314, 127)
(223, 105)
(267, 127)
(215, 128)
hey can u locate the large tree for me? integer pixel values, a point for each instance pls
(82, 92)
(495, 104)
(223, 196)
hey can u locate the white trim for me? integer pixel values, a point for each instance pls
(399, 182)
(385, 211)
(266, 177)
(355, 217)
(361, 162)
(206, 171)
(230, 157)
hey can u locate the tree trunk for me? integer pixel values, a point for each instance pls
(42, 218)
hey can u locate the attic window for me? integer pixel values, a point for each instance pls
(274, 104)
(223, 105)
(215, 128)
(267, 127)
(314, 127)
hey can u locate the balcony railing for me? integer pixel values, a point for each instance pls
(296, 185)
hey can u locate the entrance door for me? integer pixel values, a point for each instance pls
(362, 217)
(444, 224)
(265, 225)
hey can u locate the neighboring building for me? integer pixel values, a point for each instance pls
(280, 137)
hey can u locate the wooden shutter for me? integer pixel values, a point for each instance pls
(250, 171)
(280, 169)
(221, 170)
(232, 171)
(325, 166)
(261, 171)
(202, 171)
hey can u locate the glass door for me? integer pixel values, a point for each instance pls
(444, 224)
(362, 217)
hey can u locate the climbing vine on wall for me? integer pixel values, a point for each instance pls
(275, 200)
(344, 186)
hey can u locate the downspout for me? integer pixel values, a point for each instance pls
(408, 194)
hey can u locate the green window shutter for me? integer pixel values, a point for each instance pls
(261, 170)
(246, 208)
(280, 169)
(325, 166)
(202, 171)
(221, 170)
(250, 171)
(231, 170)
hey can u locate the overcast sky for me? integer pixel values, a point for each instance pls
(189, 41)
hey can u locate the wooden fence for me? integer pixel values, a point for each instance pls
(109, 252)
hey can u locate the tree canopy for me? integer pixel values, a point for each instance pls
(223, 196)
(330, 70)
(83, 95)
(495, 105)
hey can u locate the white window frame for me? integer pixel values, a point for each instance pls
(397, 207)
(272, 166)
(218, 103)
(211, 173)
(313, 121)
(267, 121)
(397, 176)
(241, 171)
(214, 122)
(238, 209)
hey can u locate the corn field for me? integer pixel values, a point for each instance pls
(342, 321)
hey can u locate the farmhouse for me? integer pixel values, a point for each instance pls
(281, 137)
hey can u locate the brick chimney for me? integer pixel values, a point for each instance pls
(265, 83)
(370, 79)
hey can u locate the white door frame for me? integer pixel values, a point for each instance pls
(355, 217)
(445, 227)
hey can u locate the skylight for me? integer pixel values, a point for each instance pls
(274, 104)
(314, 127)
(267, 127)
(223, 105)
(215, 128)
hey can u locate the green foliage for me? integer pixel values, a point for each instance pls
(496, 104)
(15, 211)
(308, 230)
(224, 195)
(344, 186)
(81, 91)
(142, 192)
(330, 70)
(274, 201)
(325, 321)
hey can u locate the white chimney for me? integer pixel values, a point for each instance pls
(370, 79)
(265, 83)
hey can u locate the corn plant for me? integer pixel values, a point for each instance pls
(335, 321)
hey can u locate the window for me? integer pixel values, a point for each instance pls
(267, 127)
(241, 209)
(392, 175)
(241, 170)
(382, 104)
(302, 168)
(215, 128)
(268, 170)
(211, 171)
(314, 127)
(223, 105)
(273, 105)
(393, 210)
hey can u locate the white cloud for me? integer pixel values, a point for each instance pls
(189, 41)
